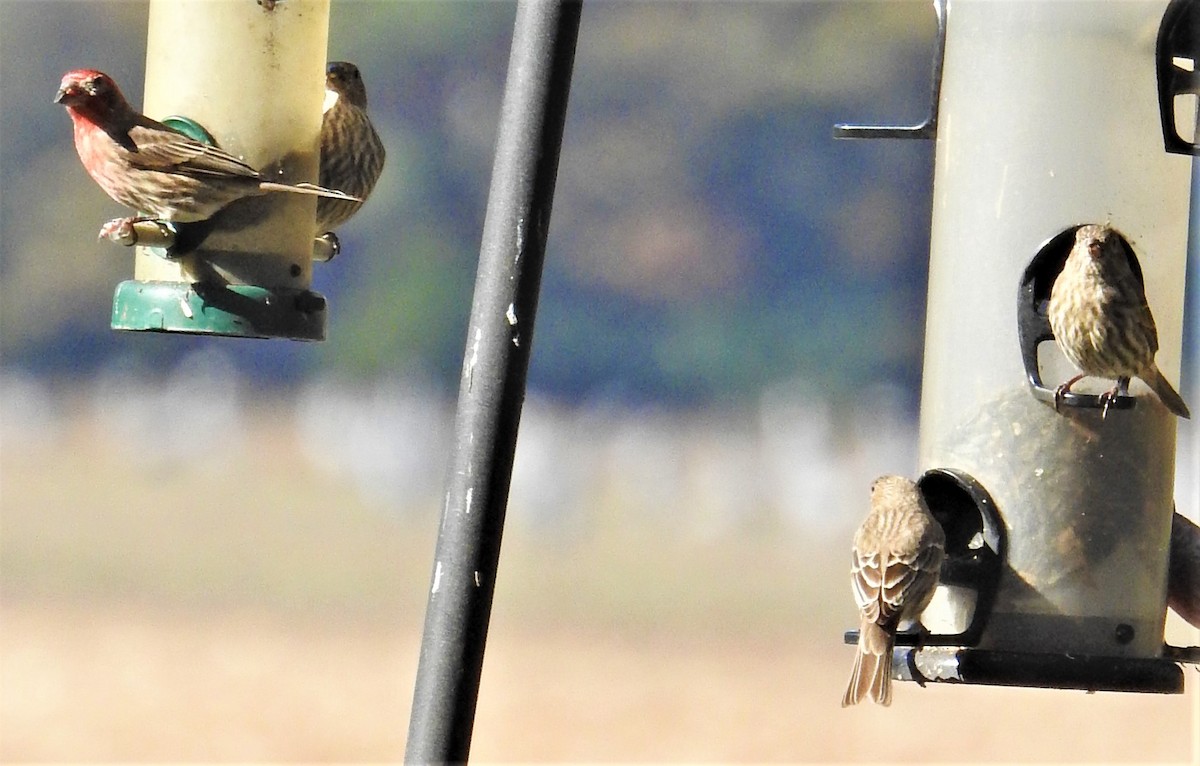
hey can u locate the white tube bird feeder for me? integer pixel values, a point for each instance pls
(252, 76)
(1057, 514)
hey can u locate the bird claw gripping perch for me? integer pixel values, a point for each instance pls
(139, 230)
(910, 659)
(1110, 396)
(120, 231)
(1061, 392)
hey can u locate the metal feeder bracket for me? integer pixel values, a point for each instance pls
(1178, 42)
(926, 129)
(976, 543)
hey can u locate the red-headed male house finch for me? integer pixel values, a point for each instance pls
(898, 554)
(351, 153)
(151, 167)
(1101, 320)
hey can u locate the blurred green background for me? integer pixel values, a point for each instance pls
(701, 200)
(218, 549)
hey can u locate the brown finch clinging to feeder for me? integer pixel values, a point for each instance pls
(898, 554)
(1183, 571)
(1101, 320)
(151, 167)
(351, 153)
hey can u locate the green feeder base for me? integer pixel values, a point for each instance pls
(243, 311)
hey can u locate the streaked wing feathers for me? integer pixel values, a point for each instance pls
(161, 148)
(882, 582)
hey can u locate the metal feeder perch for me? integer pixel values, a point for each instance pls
(247, 271)
(1057, 521)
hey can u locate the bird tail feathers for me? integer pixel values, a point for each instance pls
(307, 188)
(872, 673)
(1167, 394)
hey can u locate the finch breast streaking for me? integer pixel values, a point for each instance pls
(352, 155)
(151, 167)
(898, 553)
(1101, 320)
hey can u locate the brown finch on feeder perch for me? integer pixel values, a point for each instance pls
(898, 554)
(352, 155)
(1101, 320)
(151, 167)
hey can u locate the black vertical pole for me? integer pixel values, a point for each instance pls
(492, 388)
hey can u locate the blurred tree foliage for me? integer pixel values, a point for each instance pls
(709, 236)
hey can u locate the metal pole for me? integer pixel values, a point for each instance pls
(492, 388)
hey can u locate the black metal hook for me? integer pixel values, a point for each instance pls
(976, 543)
(926, 129)
(1178, 41)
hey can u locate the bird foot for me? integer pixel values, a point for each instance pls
(1061, 392)
(913, 670)
(124, 231)
(920, 634)
(1106, 399)
(120, 231)
(1110, 396)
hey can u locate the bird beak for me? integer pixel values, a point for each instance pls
(74, 90)
(67, 91)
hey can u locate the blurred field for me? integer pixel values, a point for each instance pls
(242, 603)
(92, 684)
